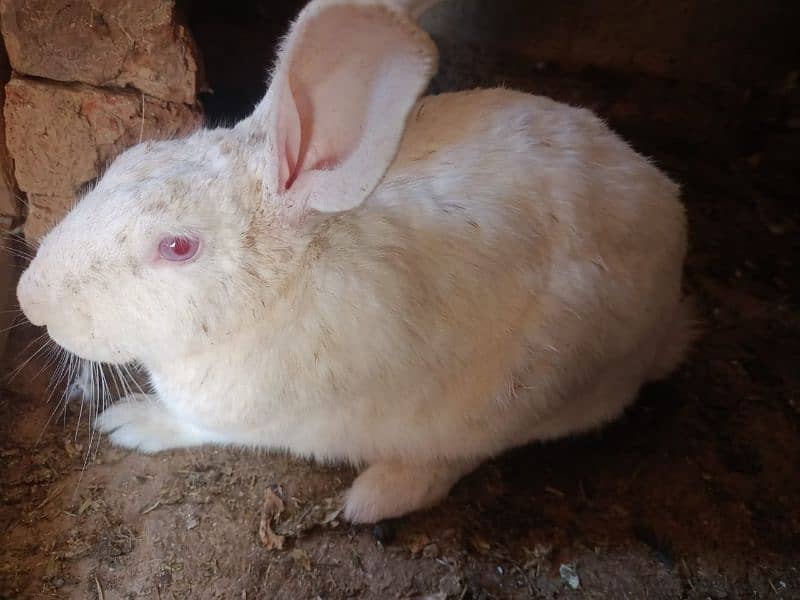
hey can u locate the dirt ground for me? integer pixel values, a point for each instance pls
(693, 494)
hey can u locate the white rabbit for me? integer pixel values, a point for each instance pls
(355, 274)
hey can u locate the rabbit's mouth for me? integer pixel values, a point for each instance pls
(85, 345)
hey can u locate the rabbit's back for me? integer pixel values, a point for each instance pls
(530, 184)
(515, 250)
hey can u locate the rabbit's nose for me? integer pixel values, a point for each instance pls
(32, 297)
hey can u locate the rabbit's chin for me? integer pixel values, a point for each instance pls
(90, 349)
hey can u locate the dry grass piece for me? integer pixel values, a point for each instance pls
(270, 511)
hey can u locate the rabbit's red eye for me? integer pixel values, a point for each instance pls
(178, 248)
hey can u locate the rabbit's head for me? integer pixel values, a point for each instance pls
(183, 242)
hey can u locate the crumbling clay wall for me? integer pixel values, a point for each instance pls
(89, 79)
(9, 214)
(9, 206)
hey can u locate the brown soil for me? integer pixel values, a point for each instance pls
(693, 494)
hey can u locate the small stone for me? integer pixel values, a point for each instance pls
(431, 551)
(384, 532)
(417, 542)
(569, 575)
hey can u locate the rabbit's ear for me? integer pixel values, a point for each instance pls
(348, 75)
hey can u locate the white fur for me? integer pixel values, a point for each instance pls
(144, 423)
(515, 276)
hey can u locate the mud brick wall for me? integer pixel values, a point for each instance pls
(89, 79)
(9, 214)
(9, 205)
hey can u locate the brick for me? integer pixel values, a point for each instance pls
(103, 43)
(9, 207)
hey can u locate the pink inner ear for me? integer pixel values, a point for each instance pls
(345, 84)
(305, 139)
(300, 145)
(290, 132)
(288, 177)
(327, 91)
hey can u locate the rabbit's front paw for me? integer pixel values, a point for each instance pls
(141, 422)
(391, 489)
